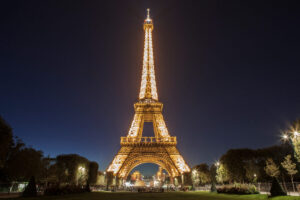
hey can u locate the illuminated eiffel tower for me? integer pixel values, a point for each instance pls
(136, 149)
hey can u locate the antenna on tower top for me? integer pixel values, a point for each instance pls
(148, 20)
(148, 13)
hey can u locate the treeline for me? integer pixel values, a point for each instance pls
(249, 166)
(19, 162)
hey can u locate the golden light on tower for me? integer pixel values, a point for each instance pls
(148, 84)
(136, 149)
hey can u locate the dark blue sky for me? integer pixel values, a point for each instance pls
(227, 72)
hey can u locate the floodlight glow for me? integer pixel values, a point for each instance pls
(194, 171)
(128, 184)
(82, 169)
(285, 136)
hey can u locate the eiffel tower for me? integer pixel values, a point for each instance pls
(136, 149)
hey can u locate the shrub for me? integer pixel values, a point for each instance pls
(238, 189)
(213, 187)
(87, 187)
(68, 189)
(276, 189)
(30, 190)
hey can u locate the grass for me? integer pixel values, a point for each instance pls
(158, 196)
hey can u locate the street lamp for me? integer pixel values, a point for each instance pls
(284, 137)
(217, 163)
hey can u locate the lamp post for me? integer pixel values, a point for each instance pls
(285, 136)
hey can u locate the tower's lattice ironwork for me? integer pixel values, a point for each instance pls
(136, 149)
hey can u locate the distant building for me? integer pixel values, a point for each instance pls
(139, 183)
(136, 176)
(160, 175)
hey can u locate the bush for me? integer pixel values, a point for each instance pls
(87, 187)
(68, 189)
(213, 187)
(276, 189)
(30, 190)
(238, 189)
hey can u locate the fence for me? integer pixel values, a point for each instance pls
(13, 187)
(264, 188)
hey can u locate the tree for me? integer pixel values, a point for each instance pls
(244, 164)
(290, 167)
(87, 187)
(252, 171)
(200, 174)
(234, 161)
(48, 172)
(222, 174)
(23, 164)
(204, 174)
(17, 162)
(294, 136)
(30, 190)
(213, 173)
(109, 179)
(271, 168)
(213, 187)
(93, 172)
(187, 179)
(276, 189)
(72, 169)
(195, 177)
(6, 141)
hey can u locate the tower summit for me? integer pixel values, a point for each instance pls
(148, 84)
(136, 149)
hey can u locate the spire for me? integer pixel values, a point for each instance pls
(148, 84)
(148, 13)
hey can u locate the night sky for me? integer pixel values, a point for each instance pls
(227, 72)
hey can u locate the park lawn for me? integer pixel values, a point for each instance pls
(158, 196)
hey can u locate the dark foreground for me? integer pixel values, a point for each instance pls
(158, 196)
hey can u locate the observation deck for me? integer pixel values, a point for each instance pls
(148, 141)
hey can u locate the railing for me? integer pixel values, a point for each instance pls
(263, 188)
(148, 140)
